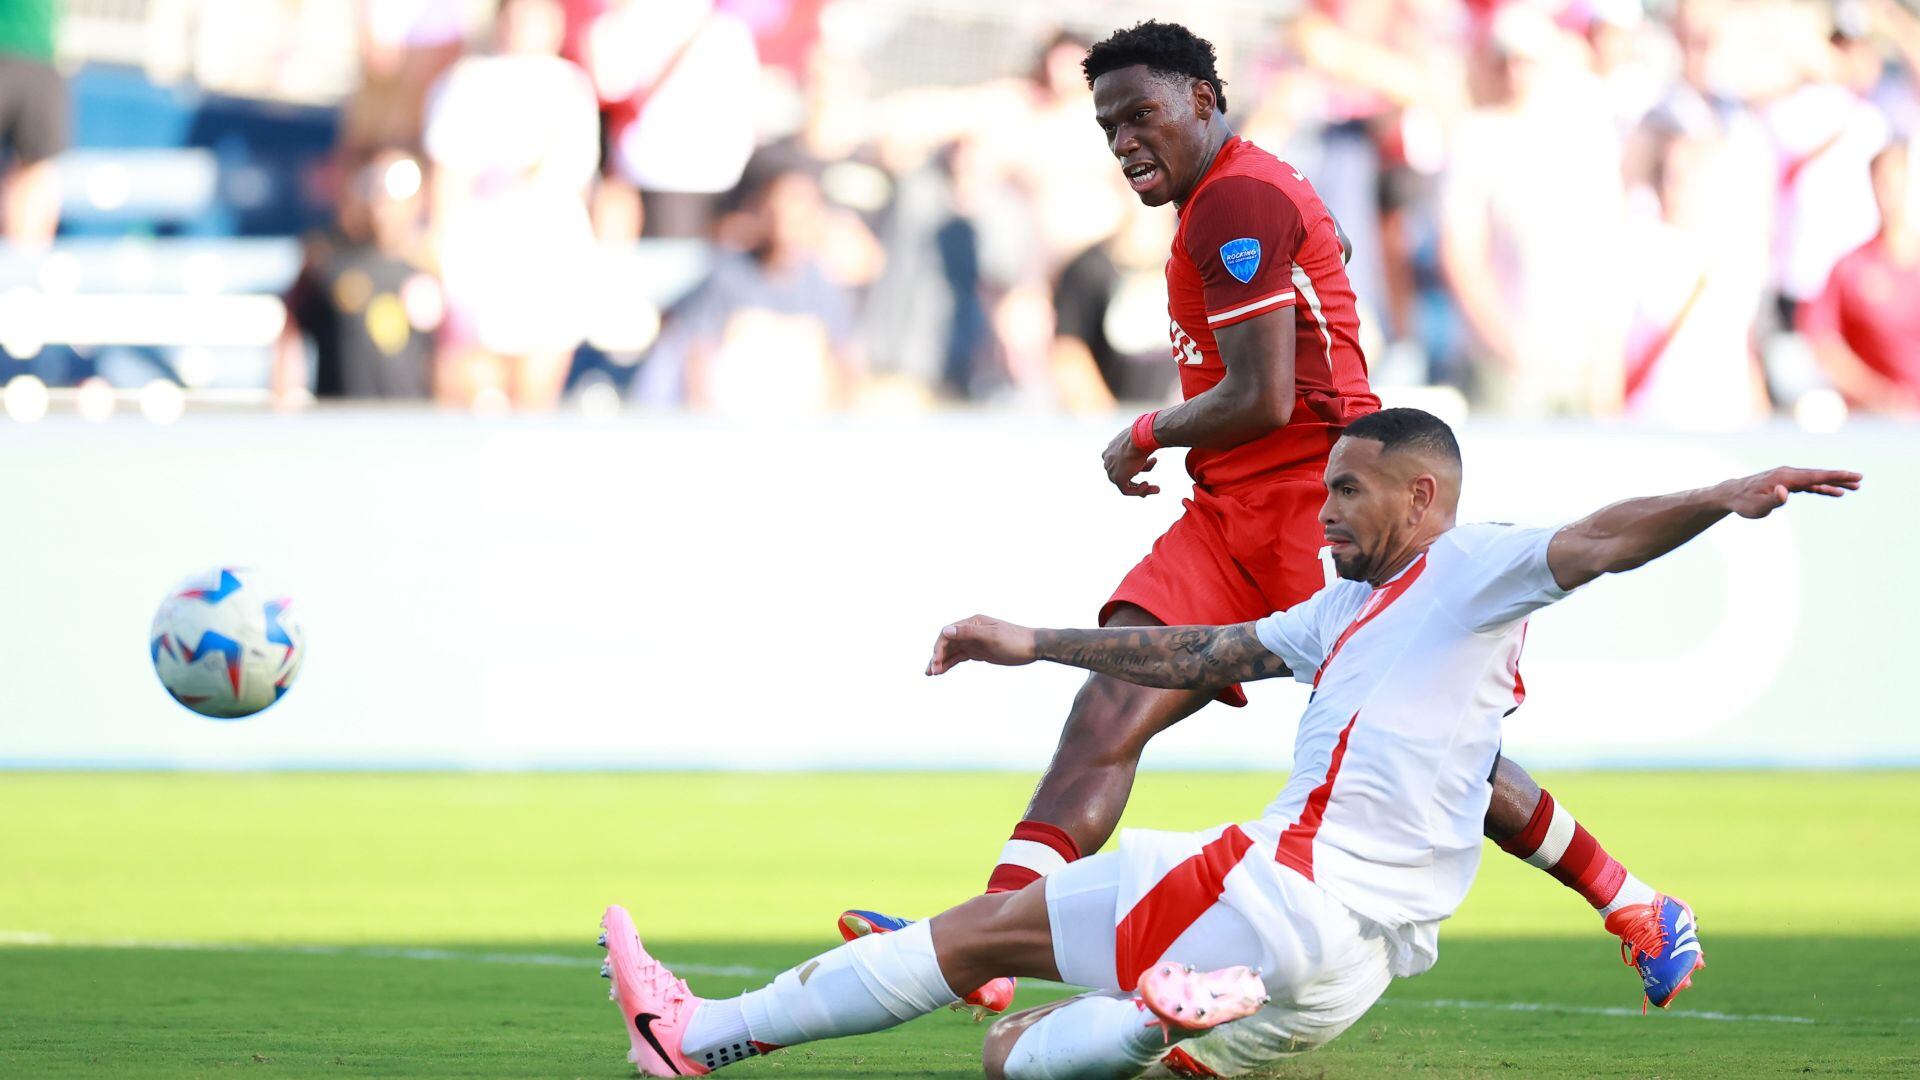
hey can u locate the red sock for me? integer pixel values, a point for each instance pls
(1035, 850)
(1561, 846)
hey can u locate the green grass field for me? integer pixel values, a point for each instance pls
(443, 925)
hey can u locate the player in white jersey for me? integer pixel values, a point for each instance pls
(1339, 886)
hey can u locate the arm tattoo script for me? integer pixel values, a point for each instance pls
(1171, 657)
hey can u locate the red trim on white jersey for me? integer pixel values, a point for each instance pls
(1295, 847)
(1519, 684)
(1174, 903)
(1377, 603)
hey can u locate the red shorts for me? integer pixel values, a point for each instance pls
(1234, 556)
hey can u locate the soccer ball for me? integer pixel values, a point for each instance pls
(225, 644)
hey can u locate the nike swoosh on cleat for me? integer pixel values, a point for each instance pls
(644, 1021)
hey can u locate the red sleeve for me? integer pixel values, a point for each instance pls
(1243, 234)
(1820, 317)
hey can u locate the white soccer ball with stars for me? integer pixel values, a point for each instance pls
(225, 643)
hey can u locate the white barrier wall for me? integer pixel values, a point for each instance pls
(665, 592)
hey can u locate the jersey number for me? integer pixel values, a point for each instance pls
(1185, 349)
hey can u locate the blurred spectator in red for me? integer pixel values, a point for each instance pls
(1532, 216)
(1865, 325)
(768, 332)
(405, 45)
(362, 300)
(1696, 292)
(513, 140)
(678, 83)
(33, 122)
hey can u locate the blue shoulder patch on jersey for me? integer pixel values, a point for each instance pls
(1241, 258)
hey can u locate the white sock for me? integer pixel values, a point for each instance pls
(868, 984)
(1094, 1037)
(717, 1034)
(1632, 891)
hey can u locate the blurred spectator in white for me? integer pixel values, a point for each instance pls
(362, 302)
(1826, 133)
(1110, 316)
(1365, 63)
(513, 139)
(405, 45)
(33, 122)
(1865, 325)
(1059, 158)
(768, 332)
(679, 86)
(1627, 57)
(1898, 96)
(1696, 292)
(924, 321)
(1532, 221)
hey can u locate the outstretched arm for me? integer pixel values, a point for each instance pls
(1635, 532)
(1169, 657)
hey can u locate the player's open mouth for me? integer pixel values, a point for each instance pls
(1141, 175)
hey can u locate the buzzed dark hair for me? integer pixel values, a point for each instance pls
(1166, 48)
(1410, 429)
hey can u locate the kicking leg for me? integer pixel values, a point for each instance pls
(1658, 933)
(1080, 796)
(866, 985)
(1528, 824)
(1087, 783)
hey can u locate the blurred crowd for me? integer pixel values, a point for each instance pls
(1697, 213)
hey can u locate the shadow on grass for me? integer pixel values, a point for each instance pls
(1547, 1007)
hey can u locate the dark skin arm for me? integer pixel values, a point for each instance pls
(1168, 657)
(1255, 397)
(1634, 532)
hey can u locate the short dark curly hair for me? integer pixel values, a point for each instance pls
(1168, 48)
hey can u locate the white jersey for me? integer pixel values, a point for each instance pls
(1390, 781)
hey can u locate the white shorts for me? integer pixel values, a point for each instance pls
(1211, 900)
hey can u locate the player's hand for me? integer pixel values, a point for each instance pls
(1761, 494)
(1125, 462)
(981, 638)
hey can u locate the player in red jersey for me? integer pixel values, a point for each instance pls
(1265, 333)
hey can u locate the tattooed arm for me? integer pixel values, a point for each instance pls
(1171, 657)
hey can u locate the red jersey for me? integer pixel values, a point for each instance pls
(1254, 238)
(1868, 303)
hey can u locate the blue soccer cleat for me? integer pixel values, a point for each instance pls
(857, 923)
(989, 1000)
(1661, 941)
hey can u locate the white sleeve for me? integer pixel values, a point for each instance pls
(1499, 575)
(1298, 636)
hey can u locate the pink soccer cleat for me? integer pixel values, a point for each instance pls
(1189, 1001)
(655, 1005)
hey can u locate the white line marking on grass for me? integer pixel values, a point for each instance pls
(1600, 1010)
(377, 952)
(741, 971)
